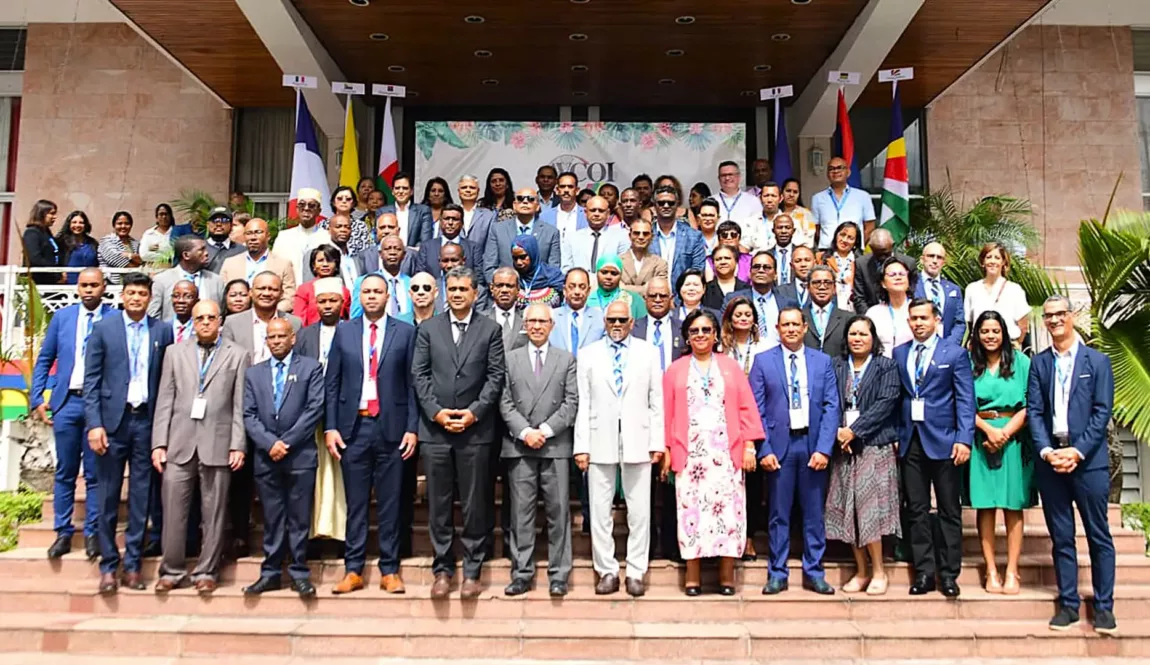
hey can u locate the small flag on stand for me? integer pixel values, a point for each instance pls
(307, 168)
(843, 144)
(388, 156)
(781, 164)
(895, 216)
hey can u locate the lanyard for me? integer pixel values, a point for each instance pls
(856, 379)
(1063, 376)
(743, 356)
(837, 203)
(705, 376)
(821, 327)
(734, 204)
(136, 342)
(205, 365)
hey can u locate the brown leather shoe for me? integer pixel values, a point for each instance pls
(350, 582)
(441, 587)
(134, 581)
(607, 584)
(635, 587)
(108, 584)
(206, 585)
(470, 589)
(392, 584)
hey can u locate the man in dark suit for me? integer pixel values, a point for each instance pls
(942, 292)
(371, 259)
(290, 385)
(459, 369)
(798, 399)
(826, 322)
(450, 232)
(371, 424)
(504, 294)
(497, 252)
(121, 380)
(868, 270)
(938, 411)
(764, 295)
(1070, 398)
(220, 245)
(783, 228)
(416, 217)
(678, 244)
(802, 260)
(64, 345)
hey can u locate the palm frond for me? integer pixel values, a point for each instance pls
(1128, 347)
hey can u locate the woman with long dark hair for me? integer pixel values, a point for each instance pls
(841, 258)
(436, 194)
(40, 249)
(892, 315)
(78, 249)
(497, 193)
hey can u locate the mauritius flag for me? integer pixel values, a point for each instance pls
(843, 143)
(895, 215)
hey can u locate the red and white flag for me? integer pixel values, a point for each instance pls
(307, 168)
(388, 156)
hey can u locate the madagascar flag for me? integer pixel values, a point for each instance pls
(895, 216)
(843, 143)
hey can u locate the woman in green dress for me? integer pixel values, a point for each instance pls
(608, 274)
(1002, 460)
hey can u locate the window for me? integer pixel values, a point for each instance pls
(1142, 111)
(263, 157)
(12, 43)
(9, 125)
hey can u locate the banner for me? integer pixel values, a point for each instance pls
(596, 152)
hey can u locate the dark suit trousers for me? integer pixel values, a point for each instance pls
(664, 527)
(371, 462)
(795, 480)
(497, 469)
(240, 498)
(129, 446)
(72, 447)
(286, 495)
(919, 473)
(1090, 490)
(445, 465)
(407, 505)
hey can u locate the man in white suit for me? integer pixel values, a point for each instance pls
(620, 382)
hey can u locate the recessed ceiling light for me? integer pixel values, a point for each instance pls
(360, 3)
(685, 20)
(578, 93)
(473, 19)
(666, 81)
(490, 82)
(745, 93)
(396, 68)
(483, 53)
(577, 37)
(583, 2)
(800, 2)
(675, 52)
(412, 93)
(780, 37)
(762, 68)
(578, 68)
(379, 37)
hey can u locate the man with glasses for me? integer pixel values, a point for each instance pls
(292, 244)
(220, 245)
(802, 260)
(477, 220)
(640, 266)
(764, 296)
(258, 260)
(840, 203)
(450, 232)
(942, 292)
(681, 246)
(583, 247)
(621, 383)
(736, 204)
(527, 221)
(1070, 398)
(568, 217)
(415, 222)
(826, 322)
(423, 299)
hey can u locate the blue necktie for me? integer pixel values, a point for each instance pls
(136, 343)
(659, 344)
(784, 267)
(919, 351)
(279, 385)
(575, 334)
(618, 370)
(87, 333)
(761, 302)
(796, 395)
(935, 293)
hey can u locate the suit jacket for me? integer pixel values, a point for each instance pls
(631, 422)
(514, 338)
(106, 372)
(59, 348)
(636, 281)
(948, 390)
(790, 293)
(367, 261)
(222, 428)
(774, 252)
(464, 376)
(590, 328)
(481, 222)
(1090, 407)
(427, 259)
(497, 252)
(690, 251)
(781, 300)
(550, 215)
(715, 299)
(236, 268)
(238, 328)
(211, 287)
(307, 341)
(868, 278)
(529, 401)
(217, 256)
(879, 401)
(343, 381)
(739, 408)
(953, 314)
(678, 348)
(769, 383)
(834, 340)
(420, 224)
(301, 410)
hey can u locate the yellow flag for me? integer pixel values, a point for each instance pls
(349, 166)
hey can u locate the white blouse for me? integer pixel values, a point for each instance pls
(156, 246)
(892, 325)
(1004, 296)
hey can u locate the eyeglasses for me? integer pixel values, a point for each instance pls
(618, 319)
(525, 199)
(729, 234)
(658, 296)
(596, 210)
(1055, 316)
(897, 274)
(310, 205)
(421, 288)
(641, 234)
(761, 266)
(537, 322)
(665, 204)
(836, 169)
(729, 175)
(822, 282)
(697, 332)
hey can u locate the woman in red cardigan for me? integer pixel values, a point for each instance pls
(325, 262)
(712, 425)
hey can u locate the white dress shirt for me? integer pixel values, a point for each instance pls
(76, 381)
(1063, 380)
(539, 352)
(566, 220)
(326, 335)
(468, 215)
(829, 211)
(741, 208)
(381, 324)
(260, 351)
(454, 320)
(929, 285)
(138, 370)
(402, 214)
(800, 358)
(505, 317)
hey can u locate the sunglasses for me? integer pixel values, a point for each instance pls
(696, 332)
(618, 319)
(421, 288)
(729, 234)
(525, 199)
(665, 204)
(309, 206)
(658, 296)
(761, 266)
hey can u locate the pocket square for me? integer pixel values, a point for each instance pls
(943, 366)
(291, 377)
(1084, 376)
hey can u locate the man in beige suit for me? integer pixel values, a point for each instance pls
(258, 259)
(639, 265)
(198, 436)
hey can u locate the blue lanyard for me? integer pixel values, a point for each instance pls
(821, 327)
(734, 203)
(856, 379)
(136, 342)
(206, 365)
(252, 270)
(837, 203)
(706, 377)
(1063, 375)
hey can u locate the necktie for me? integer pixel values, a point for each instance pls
(919, 351)
(506, 322)
(618, 368)
(659, 344)
(575, 333)
(179, 331)
(761, 303)
(462, 328)
(801, 289)
(538, 362)
(935, 292)
(221, 246)
(373, 371)
(87, 332)
(279, 384)
(524, 230)
(594, 248)
(784, 267)
(393, 303)
(136, 343)
(796, 396)
(820, 322)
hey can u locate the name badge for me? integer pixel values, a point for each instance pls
(800, 418)
(199, 408)
(849, 417)
(918, 410)
(370, 391)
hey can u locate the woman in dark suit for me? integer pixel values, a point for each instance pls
(726, 281)
(863, 497)
(40, 248)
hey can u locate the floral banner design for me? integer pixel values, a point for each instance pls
(595, 151)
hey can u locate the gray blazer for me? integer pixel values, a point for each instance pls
(222, 428)
(514, 338)
(527, 401)
(238, 328)
(211, 287)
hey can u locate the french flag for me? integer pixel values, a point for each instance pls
(307, 168)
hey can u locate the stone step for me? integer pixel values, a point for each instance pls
(31, 658)
(597, 640)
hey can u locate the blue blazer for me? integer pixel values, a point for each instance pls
(420, 223)
(769, 384)
(106, 371)
(550, 215)
(1091, 404)
(590, 327)
(953, 315)
(690, 251)
(302, 409)
(395, 385)
(781, 300)
(60, 348)
(948, 390)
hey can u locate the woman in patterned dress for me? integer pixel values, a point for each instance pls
(538, 282)
(712, 425)
(841, 258)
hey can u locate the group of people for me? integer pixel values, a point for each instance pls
(722, 371)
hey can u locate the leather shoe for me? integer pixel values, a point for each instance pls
(263, 584)
(470, 589)
(92, 547)
(108, 585)
(819, 586)
(949, 587)
(392, 584)
(725, 590)
(304, 588)
(134, 581)
(441, 587)
(607, 584)
(350, 582)
(61, 546)
(518, 587)
(558, 589)
(775, 585)
(693, 591)
(922, 585)
(152, 549)
(206, 585)
(635, 587)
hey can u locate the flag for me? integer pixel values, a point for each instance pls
(781, 164)
(307, 168)
(895, 216)
(388, 156)
(844, 142)
(349, 165)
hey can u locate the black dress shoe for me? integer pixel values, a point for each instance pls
(693, 591)
(92, 547)
(725, 590)
(518, 587)
(922, 585)
(819, 586)
(263, 584)
(775, 585)
(558, 589)
(152, 549)
(949, 587)
(61, 546)
(304, 588)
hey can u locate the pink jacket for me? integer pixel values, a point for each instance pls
(743, 421)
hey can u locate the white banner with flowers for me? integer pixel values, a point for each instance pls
(597, 152)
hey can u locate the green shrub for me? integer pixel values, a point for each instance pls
(1137, 516)
(16, 508)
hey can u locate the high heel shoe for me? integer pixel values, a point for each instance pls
(725, 590)
(993, 583)
(749, 552)
(1013, 584)
(693, 591)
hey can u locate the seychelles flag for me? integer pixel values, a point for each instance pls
(895, 216)
(843, 143)
(307, 168)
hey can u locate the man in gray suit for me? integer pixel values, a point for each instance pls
(539, 403)
(192, 253)
(198, 438)
(497, 251)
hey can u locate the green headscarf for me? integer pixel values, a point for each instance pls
(602, 297)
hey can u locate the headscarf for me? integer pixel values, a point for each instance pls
(539, 274)
(602, 297)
